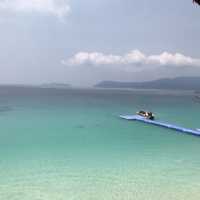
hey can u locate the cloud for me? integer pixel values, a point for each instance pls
(58, 8)
(133, 58)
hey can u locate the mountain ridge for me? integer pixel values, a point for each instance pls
(184, 83)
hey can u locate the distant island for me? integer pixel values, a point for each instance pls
(182, 83)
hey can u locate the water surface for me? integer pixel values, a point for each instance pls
(70, 144)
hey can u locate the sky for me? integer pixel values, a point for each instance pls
(83, 42)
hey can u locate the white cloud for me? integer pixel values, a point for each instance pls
(133, 58)
(58, 8)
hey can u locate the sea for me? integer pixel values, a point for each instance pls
(70, 144)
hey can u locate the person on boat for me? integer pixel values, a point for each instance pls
(147, 115)
(150, 116)
(196, 1)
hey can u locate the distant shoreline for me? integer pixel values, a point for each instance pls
(178, 83)
(178, 92)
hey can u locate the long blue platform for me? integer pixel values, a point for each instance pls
(162, 124)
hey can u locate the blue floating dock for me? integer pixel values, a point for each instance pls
(161, 124)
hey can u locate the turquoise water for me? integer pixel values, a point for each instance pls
(70, 144)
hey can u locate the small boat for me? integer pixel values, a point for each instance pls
(147, 115)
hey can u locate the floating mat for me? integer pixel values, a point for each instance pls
(162, 124)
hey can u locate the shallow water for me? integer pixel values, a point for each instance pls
(70, 144)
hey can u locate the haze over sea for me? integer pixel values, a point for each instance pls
(71, 144)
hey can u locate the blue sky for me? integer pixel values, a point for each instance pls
(83, 42)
